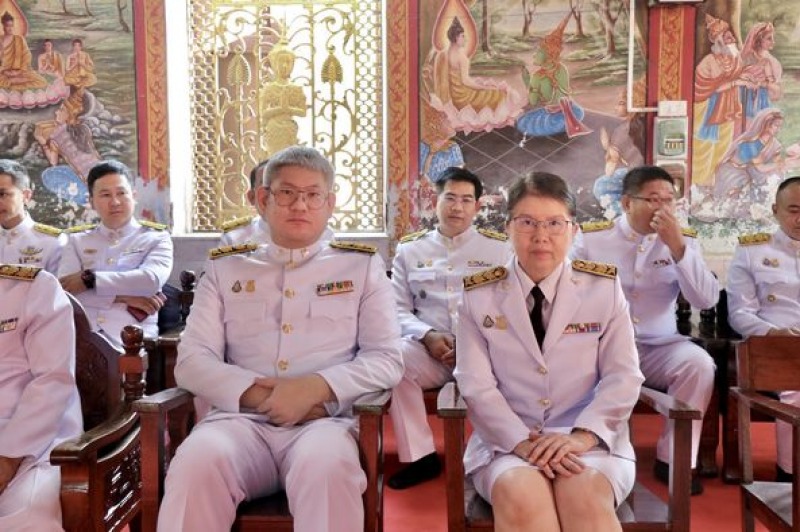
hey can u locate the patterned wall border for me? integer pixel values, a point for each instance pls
(150, 41)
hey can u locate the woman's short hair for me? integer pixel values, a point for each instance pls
(301, 156)
(543, 185)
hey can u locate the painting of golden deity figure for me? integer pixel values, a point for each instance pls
(506, 87)
(746, 133)
(59, 114)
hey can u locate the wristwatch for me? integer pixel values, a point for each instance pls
(600, 442)
(88, 278)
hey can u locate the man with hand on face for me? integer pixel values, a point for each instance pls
(117, 268)
(281, 340)
(657, 260)
(426, 274)
(23, 241)
(764, 292)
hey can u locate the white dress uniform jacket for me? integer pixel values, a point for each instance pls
(586, 375)
(32, 244)
(764, 284)
(651, 280)
(39, 403)
(135, 260)
(281, 313)
(764, 293)
(427, 275)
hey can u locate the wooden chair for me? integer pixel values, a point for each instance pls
(642, 511)
(162, 352)
(768, 363)
(100, 477)
(172, 411)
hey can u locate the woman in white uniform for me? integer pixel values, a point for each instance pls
(548, 367)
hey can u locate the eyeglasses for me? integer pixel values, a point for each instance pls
(451, 199)
(655, 202)
(526, 224)
(285, 197)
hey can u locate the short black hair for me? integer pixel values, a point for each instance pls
(789, 181)
(543, 185)
(257, 174)
(637, 177)
(107, 167)
(454, 173)
(18, 174)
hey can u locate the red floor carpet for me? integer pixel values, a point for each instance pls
(422, 508)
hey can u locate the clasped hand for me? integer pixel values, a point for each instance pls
(441, 346)
(289, 401)
(556, 453)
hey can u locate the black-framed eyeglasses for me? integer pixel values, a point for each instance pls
(526, 224)
(285, 197)
(654, 201)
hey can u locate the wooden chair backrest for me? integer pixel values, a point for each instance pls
(96, 371)
(769, 363)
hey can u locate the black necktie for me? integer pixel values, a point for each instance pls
(536, 315)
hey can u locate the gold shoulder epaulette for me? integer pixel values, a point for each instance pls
(755, 238)
(688, 231)
(596, 268)
(493, 234)
(153, 225)
(492, 275)
(413, 236)
(47, 229)
(596, 225)
(81, 228)
(353, 246)
(21, 273)
(225, 251)
(236, 223)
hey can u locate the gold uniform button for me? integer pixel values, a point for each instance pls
(538, 427)
(641, 249)
(543, 370)
(286, 328)
(101, 319)
(635, 320)
(449, 268)
(771, 298)
(283, 365)
(289, 293)
(545, 402)
(110, 261)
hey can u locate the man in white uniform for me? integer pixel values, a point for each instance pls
(117, 268)
(281, 340)
(23, 241)
(657, 260)
(427, 276)
(764, 292)
(39, 403)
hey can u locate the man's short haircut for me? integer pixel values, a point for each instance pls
(301, 156)
(454, 173)
(637, 177)
(786, 183)
(19, 176)
(107, 167)
(542, 185)
(257, 174)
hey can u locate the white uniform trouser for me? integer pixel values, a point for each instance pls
(226, 461)
(30, 502)
(422, 372)
(684, 371)
(783, 433)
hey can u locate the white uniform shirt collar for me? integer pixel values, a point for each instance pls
(116, 234)
(458, 240)
(784, 240)
(25, 225)
(281, 255)
(630, 233)
(548, 286)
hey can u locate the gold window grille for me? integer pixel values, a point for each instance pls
(244, 106)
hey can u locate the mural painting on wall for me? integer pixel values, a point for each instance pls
(509, 86)
(60, 110)
(746, 136)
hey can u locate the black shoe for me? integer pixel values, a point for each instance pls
(426, 468)
(661, 472)
(782, 475)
